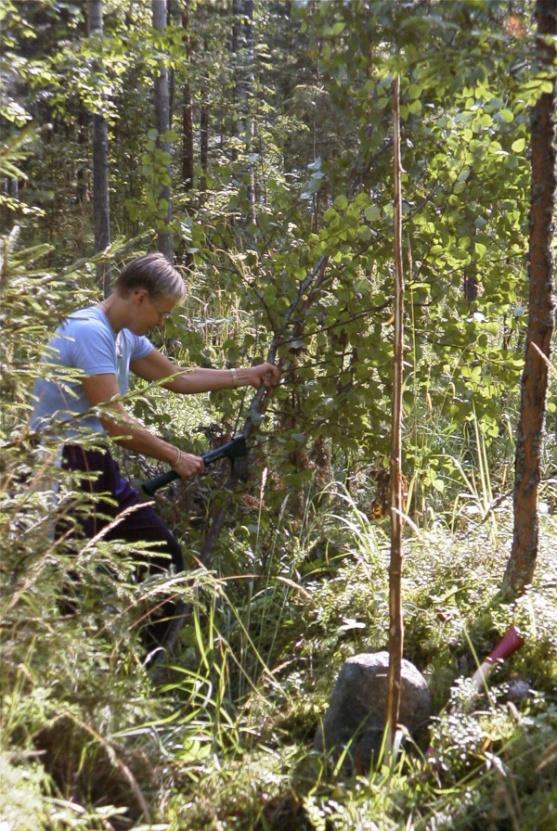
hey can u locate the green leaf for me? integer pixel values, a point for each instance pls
(413, 91)
(372, 213)
(335, 29)
(518, 145)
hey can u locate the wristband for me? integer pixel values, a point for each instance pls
(235, 379)
(178, 456)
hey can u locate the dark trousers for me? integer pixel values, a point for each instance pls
(141, 525)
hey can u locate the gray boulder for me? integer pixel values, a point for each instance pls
(356, 714)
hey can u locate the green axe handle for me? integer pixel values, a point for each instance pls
(234, 449)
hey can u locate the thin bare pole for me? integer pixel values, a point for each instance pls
(396, 628)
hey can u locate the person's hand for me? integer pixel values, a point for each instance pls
(186, 465)
(266, 374)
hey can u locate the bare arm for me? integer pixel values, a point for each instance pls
(155, 367)
(128, 432)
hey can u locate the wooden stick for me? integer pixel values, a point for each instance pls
(396, 630)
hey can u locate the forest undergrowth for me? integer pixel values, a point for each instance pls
(222, 737)
(280, 161)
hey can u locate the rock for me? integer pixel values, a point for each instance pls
(519, 689)
(356, 714)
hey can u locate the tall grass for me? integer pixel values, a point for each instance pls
(225, 739)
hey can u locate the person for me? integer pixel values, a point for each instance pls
(102, 344)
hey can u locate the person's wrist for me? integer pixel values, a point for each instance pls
(238, 377)
(174, 456)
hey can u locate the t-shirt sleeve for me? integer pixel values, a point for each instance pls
(141, 347)
(91, 347)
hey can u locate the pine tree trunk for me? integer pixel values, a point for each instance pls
(243, 54)
(162, 118)
(82, 194)
(204, 143)
(187, 123)
(101, 202)
(187, 115)
(541, 310)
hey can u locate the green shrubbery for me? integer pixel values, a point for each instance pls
(72, 675)
(224, 738)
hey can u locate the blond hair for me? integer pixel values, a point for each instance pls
(154, 273)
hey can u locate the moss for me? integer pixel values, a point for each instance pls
(23, 787)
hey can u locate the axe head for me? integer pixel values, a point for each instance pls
(237, 452)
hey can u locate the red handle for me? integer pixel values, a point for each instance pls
(509, 643)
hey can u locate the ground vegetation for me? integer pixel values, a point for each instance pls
(279, 160)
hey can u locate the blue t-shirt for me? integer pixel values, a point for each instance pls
(87, 343)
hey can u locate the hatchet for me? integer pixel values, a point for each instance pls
(235, 450)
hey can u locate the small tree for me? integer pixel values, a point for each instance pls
(541, 310)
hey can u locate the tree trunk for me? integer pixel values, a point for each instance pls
(396, 630)
(187, 123)
(187, 117)
(470, 284)
(243, 54)
(204, 143)
(162, 117)
(541, 309)
(101, 202)
(82, 194)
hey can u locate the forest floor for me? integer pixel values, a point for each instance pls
(223, 739)
(491, 760)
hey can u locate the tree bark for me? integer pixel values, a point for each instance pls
(541, 310)
(470, 284)
(243, 54)
(187, 116)
(82, 172)
(162, 118)
(396, 630)
(101, 201)
(204, 143)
